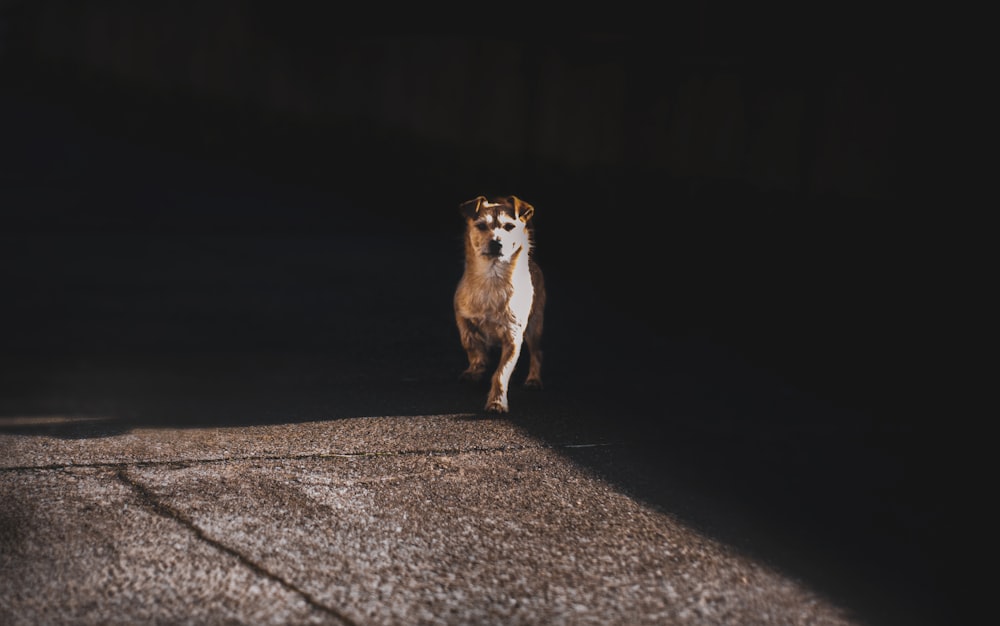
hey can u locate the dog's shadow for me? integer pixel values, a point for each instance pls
(63, 427)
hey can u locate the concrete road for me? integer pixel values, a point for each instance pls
(436, 519)
(262, 424)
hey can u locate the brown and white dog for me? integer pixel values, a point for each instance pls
(500, 299)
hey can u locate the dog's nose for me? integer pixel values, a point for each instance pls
(495, 246)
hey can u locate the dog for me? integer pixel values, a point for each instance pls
(500, 299)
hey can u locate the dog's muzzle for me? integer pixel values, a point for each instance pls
(494, 248)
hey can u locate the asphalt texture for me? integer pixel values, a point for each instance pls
(226, 399)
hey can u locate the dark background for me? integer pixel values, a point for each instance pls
(745, 174)
(747, 178)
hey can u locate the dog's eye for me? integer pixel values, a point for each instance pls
(508, 226)
(482, 226)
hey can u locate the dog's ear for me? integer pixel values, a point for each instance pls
(522, 209)
(470, 208)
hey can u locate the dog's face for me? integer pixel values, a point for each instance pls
(497, 229)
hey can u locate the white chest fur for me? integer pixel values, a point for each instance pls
(496, 295)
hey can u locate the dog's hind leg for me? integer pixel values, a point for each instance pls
(533, 339)
(533, 332)
(496, 402)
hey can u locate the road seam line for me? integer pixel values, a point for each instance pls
(303, 457)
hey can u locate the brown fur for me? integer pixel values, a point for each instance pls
(500, 299)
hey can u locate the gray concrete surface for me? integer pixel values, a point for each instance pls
(404, 520)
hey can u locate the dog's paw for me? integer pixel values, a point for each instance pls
(496, 406)
(533, 383)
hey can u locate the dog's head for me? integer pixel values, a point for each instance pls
(497, 229)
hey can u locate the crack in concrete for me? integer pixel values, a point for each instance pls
(161, 508)
(150, 500)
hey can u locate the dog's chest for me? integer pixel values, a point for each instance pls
(495, 300)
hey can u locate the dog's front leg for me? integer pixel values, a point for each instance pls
(496, 402)
(475, 349)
